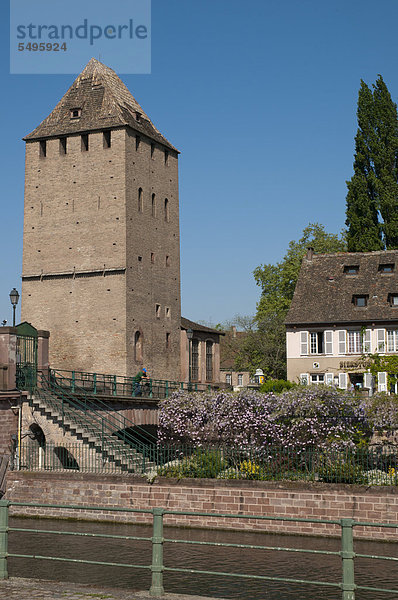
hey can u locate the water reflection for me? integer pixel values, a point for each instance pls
(258, 562)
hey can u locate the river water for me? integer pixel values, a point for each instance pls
(375, 573)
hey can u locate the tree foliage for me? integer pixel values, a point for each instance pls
(372, 198)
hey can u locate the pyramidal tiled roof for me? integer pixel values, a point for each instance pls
(104, 101)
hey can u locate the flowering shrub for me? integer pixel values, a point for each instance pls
(303, 417)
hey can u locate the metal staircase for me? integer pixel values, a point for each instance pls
(93, 422)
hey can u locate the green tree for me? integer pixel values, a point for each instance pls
(372, 198)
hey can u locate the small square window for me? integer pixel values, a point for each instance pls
(386, 268)
(351, 269)
(75, 113)
(393, 298)
(360, 301)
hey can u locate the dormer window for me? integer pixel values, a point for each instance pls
(138, 117)
(351, 269)
(386, 268)
(75, 113)
(360, 300)
(393, 299)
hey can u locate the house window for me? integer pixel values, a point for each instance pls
(84, 142)
(316, 342)
(360, 300)
(386, 268)
(351, 269)
(354, 342)
(62, 145)
(75, 113)
(140, 201)
(393, 299)
(43, 148)
(157, 311)
(209, 361)
(166, 210)
(392, 340)
(195, 360)
(107, 139)
(317, 378)
(153, 205)
(228, 378)
(240, 379)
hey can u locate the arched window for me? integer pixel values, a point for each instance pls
(140, 201)
(138, 347)
(153, 205)
(166, 210)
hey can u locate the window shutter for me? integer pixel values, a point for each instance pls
(381, 340)
(342, 341)
(368, 381)
(367, 340)
(329, 378)
(328, 342)
(305, 378)
(303, 342)
(343, 380)
(382, 381)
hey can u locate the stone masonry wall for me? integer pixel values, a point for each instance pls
(314, 501)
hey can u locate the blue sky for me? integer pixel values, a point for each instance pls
(260, 97)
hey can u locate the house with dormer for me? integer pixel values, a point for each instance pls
(345, 306)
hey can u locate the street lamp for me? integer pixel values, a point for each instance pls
(190, 336)
(14, 297)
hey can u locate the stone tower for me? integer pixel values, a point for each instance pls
(101, 262)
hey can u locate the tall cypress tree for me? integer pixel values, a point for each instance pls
(364, 231)
(372, 199)
(385, 160)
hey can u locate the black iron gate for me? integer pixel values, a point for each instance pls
(26, 362)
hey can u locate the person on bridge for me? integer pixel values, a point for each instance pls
(141, 376)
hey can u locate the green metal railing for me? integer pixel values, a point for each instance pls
(347, 585)
(100, 384)
(362, 467)
(110, 433)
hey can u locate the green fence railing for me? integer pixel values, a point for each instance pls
(100, 384)
(378, 466)
(346, 585)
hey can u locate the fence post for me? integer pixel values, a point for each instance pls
(157, 588)
(73, 382)
(347, 554)
(3, 538)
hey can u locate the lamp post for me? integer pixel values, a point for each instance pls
(190, 336)
(14, 297)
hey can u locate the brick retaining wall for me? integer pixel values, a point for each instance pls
(294, 499)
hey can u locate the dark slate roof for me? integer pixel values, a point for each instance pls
(324, 293)
(187, 324)
(105, 102)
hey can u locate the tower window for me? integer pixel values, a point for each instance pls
(152, 150)
(75, 113)
(167, 260)
(166, 157)
(167, 341)
(138, 349)
(43, 148)
(157, 311)
(137, 142)
(107, 139)
(84, 139)
(166, 210)
(167, 312)
(140, 201)
(386, 268)
(62, 145)
(152, 258)
(153, 205)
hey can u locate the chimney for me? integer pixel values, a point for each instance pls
(310, 254)
(233, 329)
